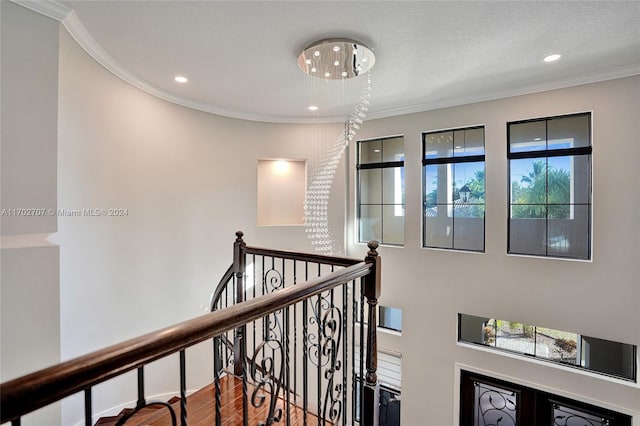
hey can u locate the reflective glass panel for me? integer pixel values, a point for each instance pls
(431, 184)
(392, 224)
(370, 186)
(528, 181)
(529, 136)
(494, 406)
(371, 222)
(569, 231)
(370, 151)
(568, 416)
(568, 132)
(468, 142)
(392, 185)
(439, 226)
(438, 145)
(572, 349)
(390, 318)
(393, 149)
(470, 175)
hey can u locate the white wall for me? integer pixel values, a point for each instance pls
(599, 298)
(187, 180)
(29, 290)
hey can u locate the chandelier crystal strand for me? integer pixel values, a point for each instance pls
(318, 191)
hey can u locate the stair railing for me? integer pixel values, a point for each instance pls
(28, 393)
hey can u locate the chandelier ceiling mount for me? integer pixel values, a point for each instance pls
(336, 59)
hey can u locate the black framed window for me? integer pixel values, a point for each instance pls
(380, 206)
(550, 186)
(453, 189)
(388, 317)
(571, 349)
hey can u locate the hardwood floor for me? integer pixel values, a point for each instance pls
(201, 409)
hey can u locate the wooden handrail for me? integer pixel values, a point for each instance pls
(36, 390)
(303, 257)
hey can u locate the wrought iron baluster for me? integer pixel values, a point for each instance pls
(287, 377)
(183, 388)
(253, 323)
(305, 349)
(319, 368)
(330, 345)
(141, 401)
(345, 350)
(88, 416)
(245, 400)
(216, 380)
(265, 326)
(295, 336)
(354, 315)
(319, 361)
(362, 344)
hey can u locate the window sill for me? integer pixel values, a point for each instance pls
(545, 363)
(562, 259)
(400, 246)
(383, 330)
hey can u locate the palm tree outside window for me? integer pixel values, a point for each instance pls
(550, 186)
(453, 189)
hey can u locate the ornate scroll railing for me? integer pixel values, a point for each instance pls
(302, 324)
(316, 345)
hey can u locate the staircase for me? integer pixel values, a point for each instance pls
(202, 409)
(289, 347)
(144, 416)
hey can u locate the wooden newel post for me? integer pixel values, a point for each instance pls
(239, 261)
(371, 392)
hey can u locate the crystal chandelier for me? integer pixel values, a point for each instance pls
(333, 59)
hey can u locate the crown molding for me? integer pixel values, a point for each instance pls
(48, 8)
(623, 72)
(70, 21)
(68, 18)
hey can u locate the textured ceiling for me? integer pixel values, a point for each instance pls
(240, 56)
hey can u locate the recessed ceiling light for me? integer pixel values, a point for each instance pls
(537, 139)
(181, 79)
(553, 57)
(336, 48)
(312, 107)
(313, 69)
(307, 61)
(316, 53)
(344, 73)
(327, 74)
(336, 63)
